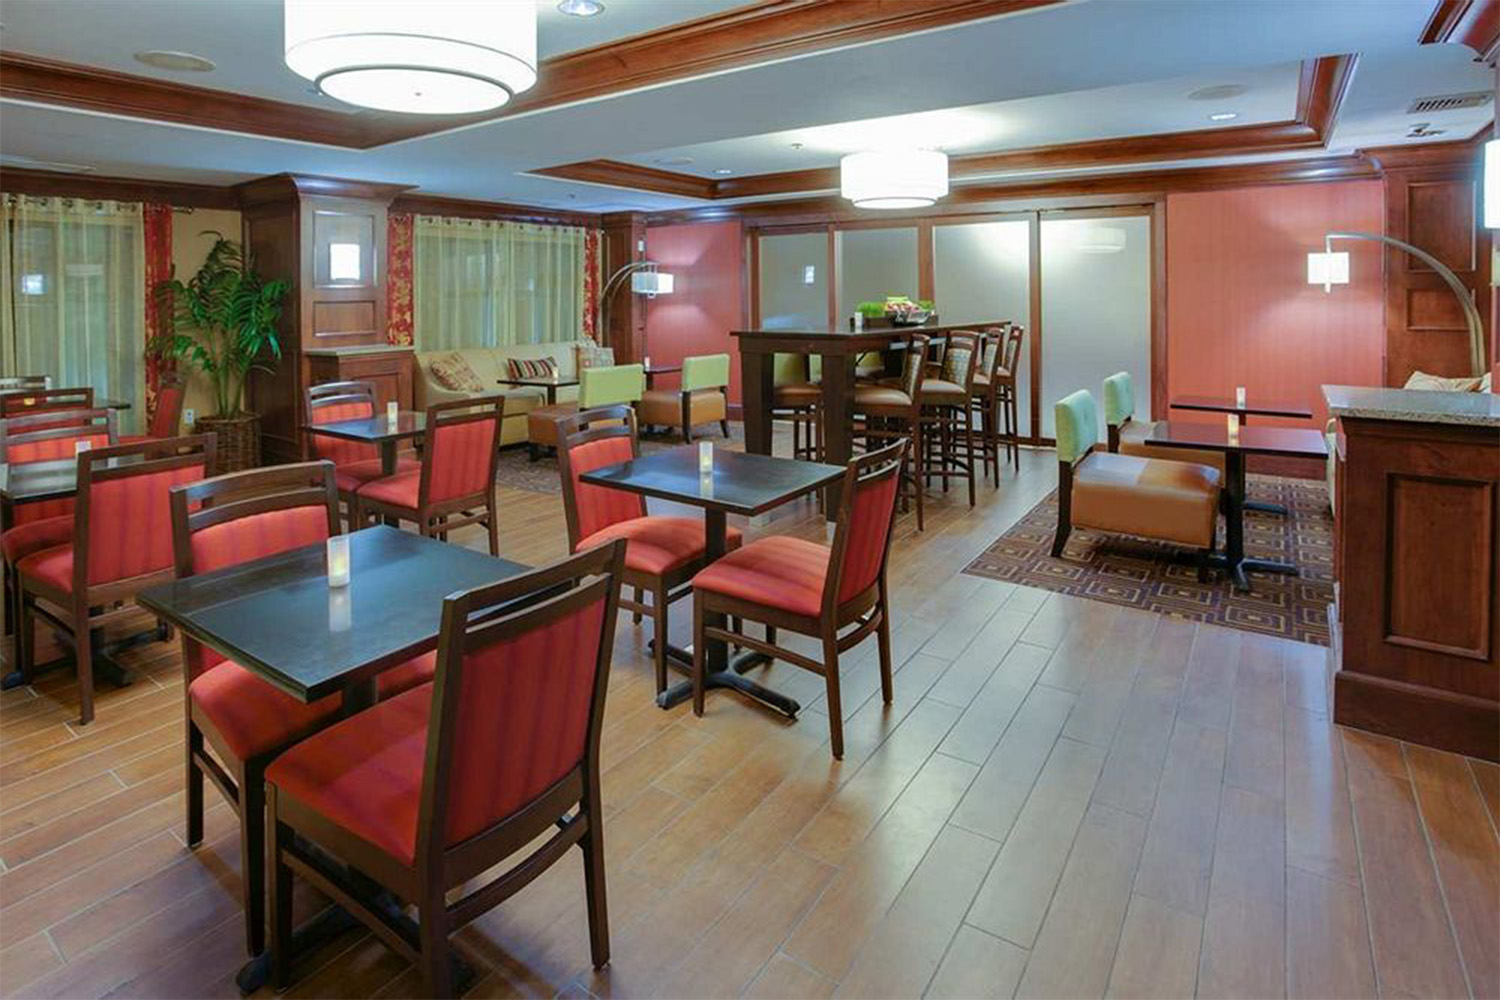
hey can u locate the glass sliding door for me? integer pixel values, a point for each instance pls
(1096, 308)
(982, 273)
(874, 263)
(794, 281)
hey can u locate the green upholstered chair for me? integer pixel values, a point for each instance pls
(1176, 502)
(1128, 435)
(795, 396)
(702, 398)
(605, 385)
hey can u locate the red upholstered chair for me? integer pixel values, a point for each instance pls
(455, 484)
(167, 415)
(41, 524)
(664, 552)
(431, 789)
(121, 544)
(354, 464)
(812, 589)
(221, 522)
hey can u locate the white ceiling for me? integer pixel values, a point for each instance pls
(1082, 70)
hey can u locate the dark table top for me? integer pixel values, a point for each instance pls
(741, 483)
(374, 429)
(557, 380)
(830, 340)
(50, 480)
(663, 369)
(1254, 406)
(279, 618)
(100, 402)
(1296, 442)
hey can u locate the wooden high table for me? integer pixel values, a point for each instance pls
(839, 350)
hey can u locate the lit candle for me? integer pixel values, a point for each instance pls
(1239, 396)
(82, 445)
(338, 561)
(1232, 427)
(705, 458)
(859, 321)
(393, 412)
(646, 362)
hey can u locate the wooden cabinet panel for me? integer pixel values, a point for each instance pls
(1440, 220)
(1439, 539)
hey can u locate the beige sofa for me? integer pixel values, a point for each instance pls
(489, 363)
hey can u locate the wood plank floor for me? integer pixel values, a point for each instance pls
(1065, 800)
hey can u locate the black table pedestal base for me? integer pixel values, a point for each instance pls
(1265, 506)
(730, 678)
(106, 667)
(1237, 570)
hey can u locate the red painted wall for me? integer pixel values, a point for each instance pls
(1239, 309)
(707, 262)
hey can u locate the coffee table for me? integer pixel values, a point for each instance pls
(551, 385)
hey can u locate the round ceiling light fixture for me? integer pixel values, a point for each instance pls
(581, 8)
(1223, 116)
(1220, 92)
(442, 57)
(181, 62)
(894, 178)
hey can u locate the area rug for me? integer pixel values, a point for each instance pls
(517, 471)
(1155, 577)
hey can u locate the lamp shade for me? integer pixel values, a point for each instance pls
(439, 57)
(895, 178)
(1492, 184)
(1328, 268)
(651, 283)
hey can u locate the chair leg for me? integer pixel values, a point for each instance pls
(640, 596)
(883, 639)
(253, 858)
(968, 443)
(83, 660)
(724, 426)
(835, 705)
(280, 901)
(594, 888)
(437, 975)
(194, 787)
(11, 605)
(699, 656)
(492, 521)
(660, 631)
(25, 631)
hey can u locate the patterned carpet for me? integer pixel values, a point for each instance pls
(1156, 577)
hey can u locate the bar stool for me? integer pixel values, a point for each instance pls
(799, 399)
(887, 413)
(995, 396)
(947, 414)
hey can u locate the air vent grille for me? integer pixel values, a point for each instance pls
(1449, 102)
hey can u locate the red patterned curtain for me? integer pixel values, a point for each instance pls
(398, 299)
(591, 283)
(157, 231)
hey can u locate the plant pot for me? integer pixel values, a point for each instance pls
(237, 444)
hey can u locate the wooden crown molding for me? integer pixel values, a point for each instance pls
(1320, 92)
(1475, 23)
(1145, 185)
(415, 203)
(732, 39)
(281, 187)
(51, 183)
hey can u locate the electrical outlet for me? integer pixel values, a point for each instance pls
(189, 417)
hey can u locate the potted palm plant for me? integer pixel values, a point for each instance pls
(222, 322)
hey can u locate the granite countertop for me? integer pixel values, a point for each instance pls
(1474, 409)
(357, 349)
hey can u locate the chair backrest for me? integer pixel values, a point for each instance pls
(15, 404)
(8, 382)
(606, 386)
(1119, 399)
(242, 516)
(330, 402)
(914, 368)
(706, 371)
(960, 358)
(789, 369)
(462, 449)
(170, 393)
(518, 702)
(867, 512)
(38, 437)
(123, 512)
(1013, 341)
(589, 440)
(1077, 422)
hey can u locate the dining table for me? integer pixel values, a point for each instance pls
(279, 618)
(381, 431)
(547, 383)
(1257, 407)
(734, 483)
(57, 479)
(1287, 442)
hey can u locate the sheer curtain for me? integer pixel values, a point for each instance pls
(485, 283)
(73, 300)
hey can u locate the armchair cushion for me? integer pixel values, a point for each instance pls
(779, 572)
(658, 545)
(1170, 501)
(34, 536)
(251, 716)
(351, 477)
(664, 406)
(1133, 435)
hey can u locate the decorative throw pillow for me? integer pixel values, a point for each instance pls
(540, 368)
(453, 372)
(591, 355)
(1422, 380)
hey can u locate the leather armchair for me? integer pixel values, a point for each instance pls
(703, 397)
(1128, 436)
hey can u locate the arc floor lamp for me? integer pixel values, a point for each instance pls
(1330, 268)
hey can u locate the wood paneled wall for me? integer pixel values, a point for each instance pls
(624, 314)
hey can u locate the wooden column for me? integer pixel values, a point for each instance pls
(624, 312)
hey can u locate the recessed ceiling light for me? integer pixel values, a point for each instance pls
(674, 161)
(581, 8)
(1222, 92)
(1223, 116)
(181, 62)
(723, 170)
